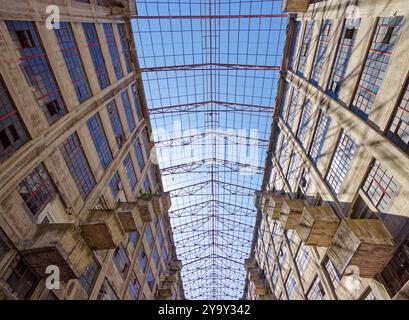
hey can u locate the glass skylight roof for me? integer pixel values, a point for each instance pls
(210, 71)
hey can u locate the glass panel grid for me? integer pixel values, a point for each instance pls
(293, 107)
(305, 47)
(115, 123)
(113, 50)
(114, 184)
(69, 50)
(293, 47)
(128, 110)
(130, 171)
(321, 54)
(320, 135)
(305, 122)
(100, 141)
(377, 61)
(125, 47)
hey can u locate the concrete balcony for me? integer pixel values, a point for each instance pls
(295, 5)
(291, 211)
(146, 209)
(260, 287)
(59, 244)
(161, 202)
(102, 229)
(250, 263)
(365, 243)
(127, 212)
(273, 208)
(165, 290)
(175, 265)
(318, 225)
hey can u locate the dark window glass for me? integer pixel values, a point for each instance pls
(130, 171)
(321, 54)
(100, 141)
(125, 47)
(114, 184)
(128, 110)
(113, 50)
(115, 123)
(21, 279)
(121, 261)
(305, 46)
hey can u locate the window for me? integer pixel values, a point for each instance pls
(69, 50)
(155, 257)
(274, 277)
(134, 287)
(142, 258)
(12, 132)
(113, 50)
(305, 122)
(302, 258)
(37, 189)
(159, 238)
(290, 285)
(399, 130)
(380, 186)
(96, 54)
(106, 292)
(138, 107)
(121, 261)
(283, 151)
(130, 171)
(100, 141)
(316, 292)
(320, 135)
(150, 279)
(294, 40)
(305, 47)
(153, 177)
(115, 123)
(377, 61)
(78, 165)
(125, 47)
(37, 69)
(21, 280)
(282, 253)
(333, 273)
(88, 277)
(165, 255)
(321, 54)
(283, 102)
(115, 184)
(134, 237)
(293, 107)
(305, 182)
(343, 55)
(146, 184)
(292, 170)
(149, 235)
(138, 154)
(128, 110)
(341, 162)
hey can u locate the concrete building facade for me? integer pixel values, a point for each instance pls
(333, 209)
(80, 188)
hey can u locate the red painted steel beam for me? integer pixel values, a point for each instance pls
(231, 16)
(206, 65)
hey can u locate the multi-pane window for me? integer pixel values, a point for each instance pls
(78, 165)
(293, 107)
(291, 285)
(320, 135)
(333, 273)
(113, 50)
(282, 254)
(138, 154)
(12, 132)
(302, 258)
(36, 189)
(100, 141)
(125, 47)
(293, 47)
(121, 261)
(133, 237)
(343, 55)
(69, 50)
(283, 151)
(106, 292)
(37, 69)
(305, 121)
(305, 47)
(316, 292)
(21, 279)
(399, 129)
(142, 258)
(321, 51)
(115, 123)
(96, 54)
(165, 254)
(380, 186)
(130, 171)
(377, 61)
(128, 110)
(134, 287)
(159, 238)
(155, 256)
(283, 103)
(149, 235)
(89, 275)
(138, 107)
(341, 162)
(150, 279)
(146, 184)
(292, 170)
(274, 276)
(115, 184)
